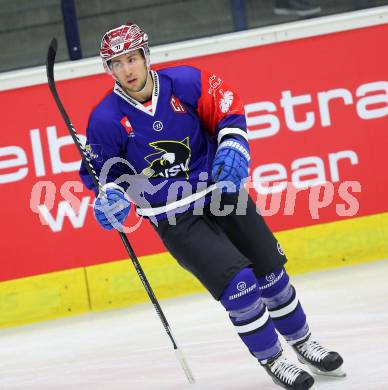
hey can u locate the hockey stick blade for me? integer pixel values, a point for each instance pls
(51, 54)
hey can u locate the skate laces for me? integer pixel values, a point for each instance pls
(284, 370)
(312, 350)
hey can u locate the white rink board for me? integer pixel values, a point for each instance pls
(128, 349)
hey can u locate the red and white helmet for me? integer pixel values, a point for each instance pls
(122, 40)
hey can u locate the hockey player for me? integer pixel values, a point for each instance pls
(181, 129)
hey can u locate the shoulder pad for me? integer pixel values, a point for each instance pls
(186, 82)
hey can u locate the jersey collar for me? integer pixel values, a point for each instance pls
(134, 103)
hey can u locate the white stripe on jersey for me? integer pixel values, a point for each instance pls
(231, 130)
(151, 211)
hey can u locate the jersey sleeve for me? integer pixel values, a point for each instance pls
(221, 109)
(104, 140)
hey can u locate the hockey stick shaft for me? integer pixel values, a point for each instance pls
(51, 54)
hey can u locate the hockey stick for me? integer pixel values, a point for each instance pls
(52, 51)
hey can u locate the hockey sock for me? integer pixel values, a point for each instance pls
(249, 315)
(280, 297)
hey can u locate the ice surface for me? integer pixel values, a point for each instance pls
(129, 349)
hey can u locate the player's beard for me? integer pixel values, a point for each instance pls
(144, 84)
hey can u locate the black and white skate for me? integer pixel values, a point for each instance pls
(287, 374)
(319, 359)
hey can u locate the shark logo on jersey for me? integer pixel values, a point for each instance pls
(171, 159)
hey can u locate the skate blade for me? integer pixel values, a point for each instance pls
(338, 373)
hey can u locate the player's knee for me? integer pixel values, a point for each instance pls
(276, 288)
(241, 292)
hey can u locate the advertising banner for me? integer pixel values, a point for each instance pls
(317, 112)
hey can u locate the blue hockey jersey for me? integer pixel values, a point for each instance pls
(162, 155)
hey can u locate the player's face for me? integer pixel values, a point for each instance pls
(130, 71)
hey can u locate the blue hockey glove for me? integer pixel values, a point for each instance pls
(231, 162)
(112, 211)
